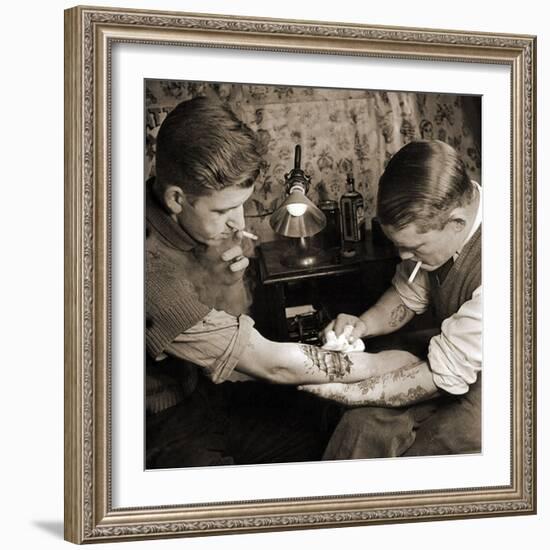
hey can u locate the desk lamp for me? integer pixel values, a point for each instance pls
(299, 218)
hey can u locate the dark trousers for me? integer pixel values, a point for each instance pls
(240, 423)
(442, 426)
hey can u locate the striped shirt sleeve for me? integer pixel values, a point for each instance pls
(215, 343)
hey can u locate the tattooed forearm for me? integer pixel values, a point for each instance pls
(333, 364)
(397, 388)
(409, 371)
(412, 395)
(398, 315)
(407, 385)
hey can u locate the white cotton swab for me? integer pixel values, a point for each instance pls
(414, 272)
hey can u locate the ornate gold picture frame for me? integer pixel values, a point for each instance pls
(90, 36)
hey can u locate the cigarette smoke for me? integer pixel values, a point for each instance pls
(216, 285)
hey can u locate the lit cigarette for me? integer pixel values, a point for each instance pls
(414, 271)
(249, 235)
(244, 233)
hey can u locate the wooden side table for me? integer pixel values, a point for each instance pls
(336, 283)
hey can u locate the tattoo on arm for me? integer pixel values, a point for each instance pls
(398, 315)
(335, 365)
(412, 395)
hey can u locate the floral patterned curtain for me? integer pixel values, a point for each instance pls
(340, 131)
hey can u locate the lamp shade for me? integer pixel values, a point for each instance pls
(297, 216)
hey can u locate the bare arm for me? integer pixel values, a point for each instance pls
(289, 363)
(387, 315)
(408, 384)
(222, 342)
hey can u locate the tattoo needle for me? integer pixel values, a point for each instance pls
(414, 272)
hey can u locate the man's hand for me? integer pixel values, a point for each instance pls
(236, 258)
(339, 324)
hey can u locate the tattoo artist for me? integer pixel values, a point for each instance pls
(431, 210)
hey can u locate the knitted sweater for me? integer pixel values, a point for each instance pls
(461, 281)
(184, 280)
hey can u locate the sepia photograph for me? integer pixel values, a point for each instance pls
(313, 281)
(274, 258)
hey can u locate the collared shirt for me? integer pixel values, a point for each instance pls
(454, 355)
(217, 341)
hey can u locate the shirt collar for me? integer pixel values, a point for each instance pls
(477, 220)
(163, 224)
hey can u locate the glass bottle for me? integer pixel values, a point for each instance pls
(331, 233)
(352, 210)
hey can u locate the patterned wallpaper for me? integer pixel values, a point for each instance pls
(340, 132)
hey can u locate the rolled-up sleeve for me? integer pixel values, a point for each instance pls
(455, 355)
(214, 343)
(415, 295)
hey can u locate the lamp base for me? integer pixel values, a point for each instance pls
(305, 256)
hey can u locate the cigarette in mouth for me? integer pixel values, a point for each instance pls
(249, 235)
(414, 272)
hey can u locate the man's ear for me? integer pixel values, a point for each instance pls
(174, 199)
(457, 219)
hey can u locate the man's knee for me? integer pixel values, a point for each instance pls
(454, 429)
(371, 432)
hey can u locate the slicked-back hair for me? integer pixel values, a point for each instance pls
(203, 147)
(422, 183)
